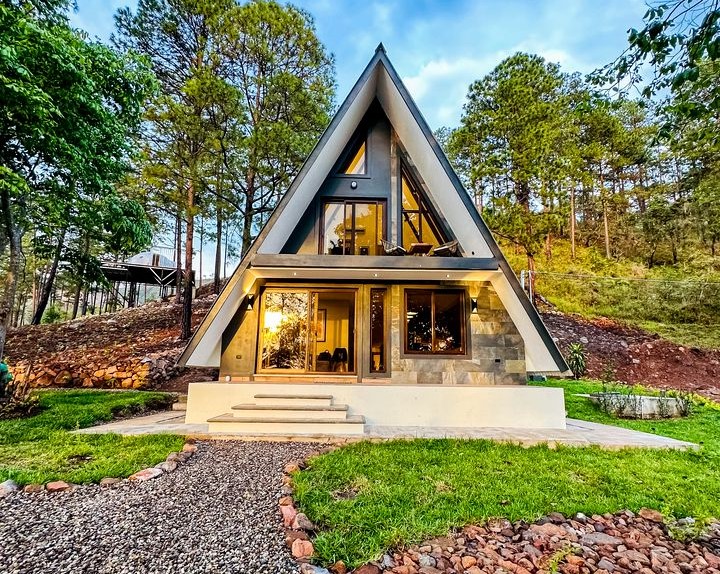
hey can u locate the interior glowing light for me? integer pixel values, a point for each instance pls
(273, 320)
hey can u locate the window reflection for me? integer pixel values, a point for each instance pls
(417, 222)
(434, 321)
(377, 330)
(356, 163)
(353, 228)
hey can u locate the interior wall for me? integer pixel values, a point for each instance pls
(337, 325)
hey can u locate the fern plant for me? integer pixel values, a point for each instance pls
(577, 359)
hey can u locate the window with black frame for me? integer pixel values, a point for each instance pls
(353, 228)
(435, 321)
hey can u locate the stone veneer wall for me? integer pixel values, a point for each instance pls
(496, 351)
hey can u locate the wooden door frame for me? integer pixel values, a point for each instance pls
(309, 288)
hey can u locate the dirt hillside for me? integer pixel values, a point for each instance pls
(132, 348)
(633, 356)
(138, 348)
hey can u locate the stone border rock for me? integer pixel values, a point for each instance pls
(603, 544)
(299, 530)
(170, 464)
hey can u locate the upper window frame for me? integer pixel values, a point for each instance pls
(360, 136)
(425, 209)
(344, 201)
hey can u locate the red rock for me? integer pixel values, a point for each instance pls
(302, 522)
(288, 513)
(712, 559)
(189, 447)
(291, 468)
(33, 488)
(468, 561)
(58, 486)
(146, 474)
(473, 570)
(367, 569)
(549, 529)
(633, 556)
(302, 549)
(293, 535)
(339, 567)
(285, 501)
(650, 514)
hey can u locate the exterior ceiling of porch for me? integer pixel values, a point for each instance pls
(407, 268)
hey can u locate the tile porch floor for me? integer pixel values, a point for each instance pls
(577, 433)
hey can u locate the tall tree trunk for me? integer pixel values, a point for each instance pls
(178, 256)
(81, 281)
(187, 276)
(200, 252)
(249, 213)
(218, 248)
(606, 225)
(49, 280)
(572, 221)
(13, 239)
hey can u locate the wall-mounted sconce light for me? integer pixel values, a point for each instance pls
(250, 302)
(473, 305)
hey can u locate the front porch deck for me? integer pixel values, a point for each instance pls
(576, 433)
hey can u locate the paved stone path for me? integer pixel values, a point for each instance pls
(577, 433)
(216, 513)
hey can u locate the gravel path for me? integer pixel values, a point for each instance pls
(215, 513)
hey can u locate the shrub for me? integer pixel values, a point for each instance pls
(53, 314)
(577, 359)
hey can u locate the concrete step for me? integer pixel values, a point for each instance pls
(180, 404)
(293, 399)
(352, 425)
(335, 412)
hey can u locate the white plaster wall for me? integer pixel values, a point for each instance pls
(402, 405)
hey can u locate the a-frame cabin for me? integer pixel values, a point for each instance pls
(374, 297)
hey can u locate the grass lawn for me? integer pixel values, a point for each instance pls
(40, 448)
(368, 497)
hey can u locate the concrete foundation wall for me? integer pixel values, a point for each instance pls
(402, 405)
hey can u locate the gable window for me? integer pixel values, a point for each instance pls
(418, 225)
(356, 162)
(353, 228)
(435, 321)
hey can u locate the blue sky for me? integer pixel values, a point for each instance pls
(440, 47)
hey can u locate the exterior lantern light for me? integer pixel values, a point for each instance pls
(250, 302)
(473, 305)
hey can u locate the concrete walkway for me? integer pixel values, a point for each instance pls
(577, 433)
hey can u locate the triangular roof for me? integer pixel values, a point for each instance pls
(380, 81)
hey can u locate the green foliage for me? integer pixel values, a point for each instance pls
(40, 448)
(70, 108)
(576, 358)
(678, 38)
(407, 491)
(513, 123)
(53, 314)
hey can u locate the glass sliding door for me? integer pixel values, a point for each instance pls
(284, 330)
(332, 340)
(377, 330)
(307, 331)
